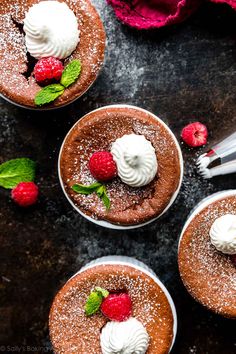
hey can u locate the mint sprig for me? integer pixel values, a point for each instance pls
(94, 301)
(15, 171)
(51, 92)
(71, 73)
(83, 189)
(105, 199)
(48, 94)
(97, 188)
(104, 292)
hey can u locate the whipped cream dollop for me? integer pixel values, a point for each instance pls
(223, 234)
(128, 337)
(136, 160)
(51, 29)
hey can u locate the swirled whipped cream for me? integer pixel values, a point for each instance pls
(128, 337)
(51, 29)
(136, 160)
(223, 234)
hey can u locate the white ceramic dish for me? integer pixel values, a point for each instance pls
(45, 108)
(106, 223)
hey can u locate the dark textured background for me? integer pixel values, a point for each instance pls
(183, 73)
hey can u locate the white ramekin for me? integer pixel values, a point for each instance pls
(106, 223)
(132, 262)
(45, 108)
(203, 204)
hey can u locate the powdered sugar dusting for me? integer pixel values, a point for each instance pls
(209, 275)
(16, 82)
(97, 132)
(69, 325)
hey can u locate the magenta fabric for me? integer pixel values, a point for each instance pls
(232, 3)
(147, 14)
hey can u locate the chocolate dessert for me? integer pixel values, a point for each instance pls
(17, 82)
(74, 331)
(208, 274)
(97, 131)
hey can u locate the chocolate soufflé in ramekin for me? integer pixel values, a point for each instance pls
(129, 206)
(207, 253)
(17, 81)
(149, 327)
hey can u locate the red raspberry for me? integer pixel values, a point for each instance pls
(25, 194)
(102, 166)
(233, 259)
(195, 134)
(48, 70)
(117, 307)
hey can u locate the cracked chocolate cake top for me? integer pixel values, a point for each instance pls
(17, 82)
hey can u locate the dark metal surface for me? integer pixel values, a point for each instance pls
(182, 74)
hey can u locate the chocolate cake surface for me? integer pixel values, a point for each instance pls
(97, 131)
(71, 331)
(16, 79)
(209, 275)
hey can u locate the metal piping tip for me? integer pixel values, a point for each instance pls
(224, 169)
(220, 160)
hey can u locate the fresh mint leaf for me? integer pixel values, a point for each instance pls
(94, 300)
(104, 292)
(15, 171)
(48, 94)
(71, 73)
(106, 200)
(98, 188)
(100, 191)
(93, 303)
(83, 189)
(51, 92)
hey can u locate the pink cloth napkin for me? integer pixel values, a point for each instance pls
(232, 3)
(147, 14)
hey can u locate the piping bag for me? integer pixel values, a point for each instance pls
(220, 159)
